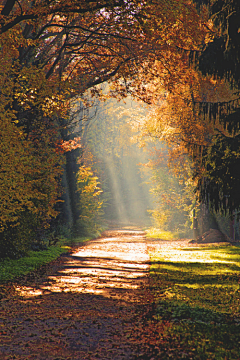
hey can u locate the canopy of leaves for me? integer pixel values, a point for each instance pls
(54, 51)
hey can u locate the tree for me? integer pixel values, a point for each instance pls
(56, 51)
(173, 195)
(187, 116)
(220, 59)
(83, 43)
(51, 52)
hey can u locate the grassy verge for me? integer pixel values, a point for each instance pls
(197, 294)
(160, 234)
(12, 269)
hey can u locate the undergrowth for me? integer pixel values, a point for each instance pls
(197, 292)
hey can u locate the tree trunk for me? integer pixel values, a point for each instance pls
(8, 7)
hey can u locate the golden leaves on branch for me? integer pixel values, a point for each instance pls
(29, 177)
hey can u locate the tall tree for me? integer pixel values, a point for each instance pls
(56, 50)
(220, 181)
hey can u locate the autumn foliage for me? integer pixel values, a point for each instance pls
(54, 54)
(51, 53)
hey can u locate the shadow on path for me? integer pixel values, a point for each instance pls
(95, 304)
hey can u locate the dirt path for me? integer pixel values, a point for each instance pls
(94, 304)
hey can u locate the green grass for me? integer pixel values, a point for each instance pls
(12, 269)
(160, 234)
(197, 291)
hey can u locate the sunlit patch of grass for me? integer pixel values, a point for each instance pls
(199, 255)
(198, 291)
(160, 234)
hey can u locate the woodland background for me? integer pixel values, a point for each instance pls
(90, 89)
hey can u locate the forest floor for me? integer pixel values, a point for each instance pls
(95, 303)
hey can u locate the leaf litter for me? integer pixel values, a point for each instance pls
(94, 303)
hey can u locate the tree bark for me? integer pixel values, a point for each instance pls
(8, 7)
